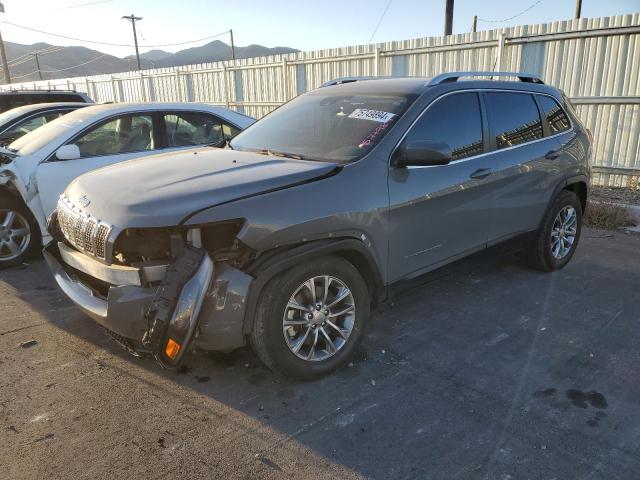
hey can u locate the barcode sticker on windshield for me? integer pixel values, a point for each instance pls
(374, 115)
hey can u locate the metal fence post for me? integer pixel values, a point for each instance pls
(225, 88)
(285, 80)
(178, 87)
(145, 97)
(500, 58)
(114, 89)
(188, 86)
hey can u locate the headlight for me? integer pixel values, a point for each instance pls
(174, 311)
(185, 316)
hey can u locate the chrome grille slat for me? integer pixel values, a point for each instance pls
(81, 230)
(89, 235)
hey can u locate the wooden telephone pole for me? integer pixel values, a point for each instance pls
(3, 55)
(578, 8)
(448, 17)
(133, 19)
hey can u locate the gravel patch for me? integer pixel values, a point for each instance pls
(623, 195)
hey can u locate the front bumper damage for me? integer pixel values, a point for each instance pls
(164, 309)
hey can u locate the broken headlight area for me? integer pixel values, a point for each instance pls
(138, 246)
(141, 245)
(172, 316)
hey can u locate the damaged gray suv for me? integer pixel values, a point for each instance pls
(288, 238)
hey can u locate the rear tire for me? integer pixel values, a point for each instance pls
(307, 338)
(557, 238)
(19, 232)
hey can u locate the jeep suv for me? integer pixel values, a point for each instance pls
(288, 238)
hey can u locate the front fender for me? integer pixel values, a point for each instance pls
(273, 263)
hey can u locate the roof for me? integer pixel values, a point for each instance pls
(30, 92)
(33, 107)
(417, 85)
(379, 85)
(108, 109)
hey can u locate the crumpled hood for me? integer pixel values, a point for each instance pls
(161, 190)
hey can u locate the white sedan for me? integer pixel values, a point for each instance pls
(35, 169)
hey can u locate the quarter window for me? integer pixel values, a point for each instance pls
(556, 118)
(187, 128)
(127, 134)
(455, 120)
(513, 117)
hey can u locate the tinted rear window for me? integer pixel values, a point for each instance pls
(513, 118)
(556, 117)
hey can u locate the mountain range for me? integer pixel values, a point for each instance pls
(62, 62)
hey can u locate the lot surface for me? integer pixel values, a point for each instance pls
(484, 369)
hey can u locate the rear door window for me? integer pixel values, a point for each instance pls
(513, 118)
(455, 120)
(193, 128)
(556, 117)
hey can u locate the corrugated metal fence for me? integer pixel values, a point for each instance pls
(595, 61)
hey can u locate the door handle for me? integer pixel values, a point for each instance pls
(481, 173)
(552, 154)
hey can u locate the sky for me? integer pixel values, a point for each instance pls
(306, 25)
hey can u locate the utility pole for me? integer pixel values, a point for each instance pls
(133, 19)
(233, 47)
(448, 17)
(37, 65)
(475, 24)
(3, 55)
(578, 8)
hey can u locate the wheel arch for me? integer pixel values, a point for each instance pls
(9, 190)
(276, 261)
(580, 188)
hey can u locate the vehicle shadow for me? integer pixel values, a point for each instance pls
(439, 384)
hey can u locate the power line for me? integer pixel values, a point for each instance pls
(25, 57)
(511, 18)
(115, 44)
(380, 20)
(80, 5)
(61, 69)
(55, 70)
(25, 75)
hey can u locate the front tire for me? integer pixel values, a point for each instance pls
(310, 318)
(557, 238)
(19, 233)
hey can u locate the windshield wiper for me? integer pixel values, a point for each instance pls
(275, 153)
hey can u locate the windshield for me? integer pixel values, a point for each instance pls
(325, 126)
(40, 137)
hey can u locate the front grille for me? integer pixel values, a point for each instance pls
(82, 230)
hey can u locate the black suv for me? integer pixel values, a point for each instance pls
(289, 237)
(17, 98)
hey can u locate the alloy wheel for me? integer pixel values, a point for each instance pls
(14, 234)
(563, 232)
(319, 318)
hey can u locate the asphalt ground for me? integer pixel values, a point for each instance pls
(483, 369)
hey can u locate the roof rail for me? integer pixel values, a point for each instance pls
(341, 80)
(455, 76)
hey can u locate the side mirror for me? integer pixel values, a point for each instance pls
(422, 153)
(68, 152)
